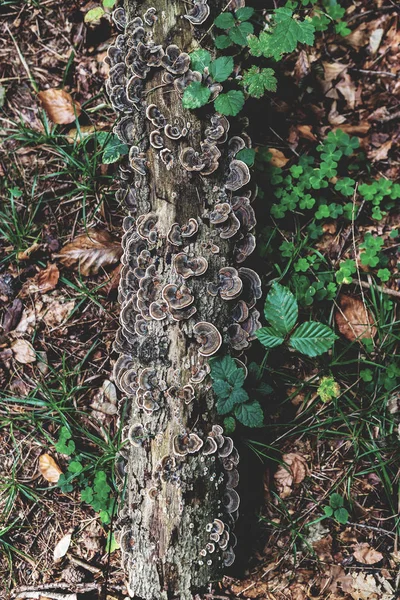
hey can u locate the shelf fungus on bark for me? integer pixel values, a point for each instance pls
(183, 294)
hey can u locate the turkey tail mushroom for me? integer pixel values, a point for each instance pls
(185, 297)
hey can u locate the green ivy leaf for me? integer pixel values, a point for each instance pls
(312, 338)
(250, 414)
(222, 368)
(258, 81)
(245, 13)
(341, 516)
(199, 60)
(195, 95)
(225, 20)
(336, 501)
(247, 155)
(221, 68)
(94, 14)
(281, 309)
(269, 338)
(222, 42)
(222, 388)
(240, 33)
(229, 104)
(113, 148)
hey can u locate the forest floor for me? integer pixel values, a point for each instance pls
(324, 510)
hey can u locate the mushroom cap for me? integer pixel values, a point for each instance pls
(136, 435)
(226, 448)
(199, 372)
(230, 227)
(167, 158)
(119, 99)
(186, 444)
(119, 18)
(209, 338)
(209, 156)
(189, 267)
(126, 540)
(128, 197)
(156, 139)
(147, 378)
(150, 54)
(239, 175)
(146, 227)
(137, 160)
(155, 116)
(220, 213)
(238, 337)
(114, 56)
(252, 290)
(199, 13)
(231, 500)
(244, 247)
(150, 16)
(252, 324)
(141, 327)
(235, 144)
(128, 316)
(134, 89)
(232, 478)
(116, 75)
(210, 446)
(240, 312)
(223, 541)
(185, 393)
(191, 160)
(218, 130)
(174, 235)
(158, 310)
(190, 228)
(181, 83)
(136, 32)
(175, 131)
(245, 212)
(175, 61)
(125, 130)
(127, 382)
(177, 297)
(228, 557)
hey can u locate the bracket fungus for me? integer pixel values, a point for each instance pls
(239, 175)
(199, 12)
(189, 267)
(187, 443)
(177, 297)
(175, 61)
(209, 338)
(229, 284)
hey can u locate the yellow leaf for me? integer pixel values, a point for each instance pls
(59, 106)
(49, 469)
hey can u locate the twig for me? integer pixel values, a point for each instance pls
(379, 288)
(379, 529)
(371, 72)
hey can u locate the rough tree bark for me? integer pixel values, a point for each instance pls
(184, 296)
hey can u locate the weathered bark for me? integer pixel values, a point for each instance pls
(180, 469)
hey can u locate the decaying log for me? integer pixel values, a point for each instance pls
(185, 295)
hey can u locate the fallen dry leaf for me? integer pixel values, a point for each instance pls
(57, 312)
(278, 158)
(44, 281)
(49, 469)
(293, 471)
(306, 132)
(61, 548)
(59, 106)
(347, 88)
(25, 254)
(23, 352)
(382, 152)
(363, 553)
(354, 321)
(90, 252)
(12, 316)
(84, 132)
(365, 587)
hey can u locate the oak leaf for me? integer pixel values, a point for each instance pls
(363, 553)
(59, 106)
(91, 251)
(49, 469)
(23, 352)
(354, 320)
(44, 281)
(293, 470)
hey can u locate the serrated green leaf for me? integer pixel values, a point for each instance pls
(239, 395)
(229, 104)
(312, 338)
(269, 337)
(236, 379)
(222, 388)
(250, 414)
(113, 149)
(289, 31)
(199, 60)
(258, 81)
(245, 13)
(222, 368)
(94, 14)
(281, 309)
(224, 20)
(195, 95)
(240, 33)
(247, 155)
(341, 516)
(229, 425)
(336, 501)
(221, 68)
(222, 42)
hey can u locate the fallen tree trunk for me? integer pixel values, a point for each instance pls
(184, 295)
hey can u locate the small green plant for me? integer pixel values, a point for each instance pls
(97, 12)
(328, 389)
(93, 482)
(336, 509)
(228, 380)
(281, 311)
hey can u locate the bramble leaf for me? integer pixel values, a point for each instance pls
(225, 20)
(240, 33)
(222, 368)
(229, 104)
(195, 95)
(199, 60)
(221, 68)
(250, 414)
(258, 81)
(222, 388)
